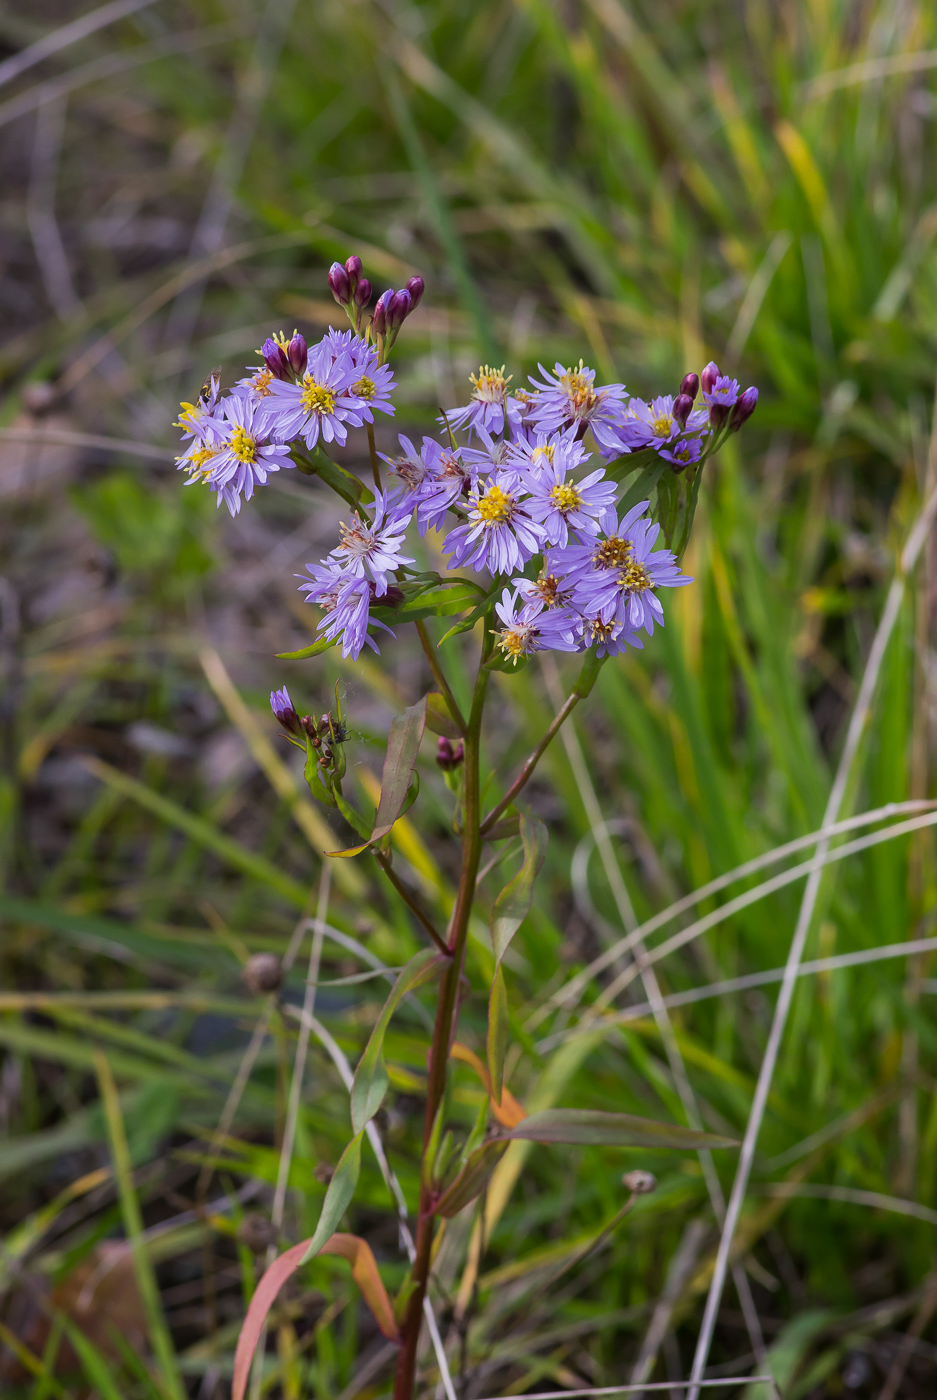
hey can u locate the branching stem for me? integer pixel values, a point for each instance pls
(439, 677)
(531, 762)
(412, 903)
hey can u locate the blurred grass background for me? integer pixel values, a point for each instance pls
(646, 185)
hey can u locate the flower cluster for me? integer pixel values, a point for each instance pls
(518, 499)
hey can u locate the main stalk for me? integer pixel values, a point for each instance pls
(447, 1013)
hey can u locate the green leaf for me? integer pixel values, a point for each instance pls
(438, 718)
(316, 648)
(338, 1196)
(371, 1081)
(449, 598)
(473, 1179)
(513, 903)
(403, 745)
(497, 1033)
(593, 1127)
(642, 486)
(482, 607)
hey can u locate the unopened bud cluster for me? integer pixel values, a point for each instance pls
(353, 292)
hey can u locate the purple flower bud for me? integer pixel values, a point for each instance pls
(681, 409)
(398, 310)
(282, 707)
(416, 287)
(718, 414)
(379, 323)
(689, 385)
(362, 293)
(709, 376)
(340, 283)
(448, 757)
(297, 353)
(275, 359)
(353, 268)
(744, 409)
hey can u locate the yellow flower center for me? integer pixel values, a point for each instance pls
(565, 497)
(317, 398)
(601, 631)
(514, 641)
(261, 383)
(578, 386)
(242, 445)
(612, 553)
(365, 388)
(635, 577)
(543, 454)
(662, 425)
(491, 386)
(495, 506)
(197, 463)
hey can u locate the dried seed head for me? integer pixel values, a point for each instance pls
(262, 973)
(640, 1183)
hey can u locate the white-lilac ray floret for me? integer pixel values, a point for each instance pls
(371, 549)
(245, 454)
(558, 504)
(524, 632)
(569, 396)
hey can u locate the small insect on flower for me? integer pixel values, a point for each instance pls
(499, 536)
(491, 406)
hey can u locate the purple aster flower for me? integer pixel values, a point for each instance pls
(524, 633)
(371, 384)
(683, 452)
(608, 638)
(724, 392)
(451, 487)
(538, 452)
(499, 535)
(244, 453)
(569, 397)
(372, 550)
(345, 600)
(491, 406)
(556, 503)
(624, 589)
(577, 563)
(282, 707)
(321, 403)
(545, 592)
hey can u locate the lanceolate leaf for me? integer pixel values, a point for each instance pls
(363, 1271)
(371, 1081)
(314, 649)
(403, 745)
(473, 1178)
(513, 903)
(337, 1197)
(497, 1034)
(593, 1127)
(642, 485)
(365, 1274)
(438, 718)
(315, 462)
(447, 598)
